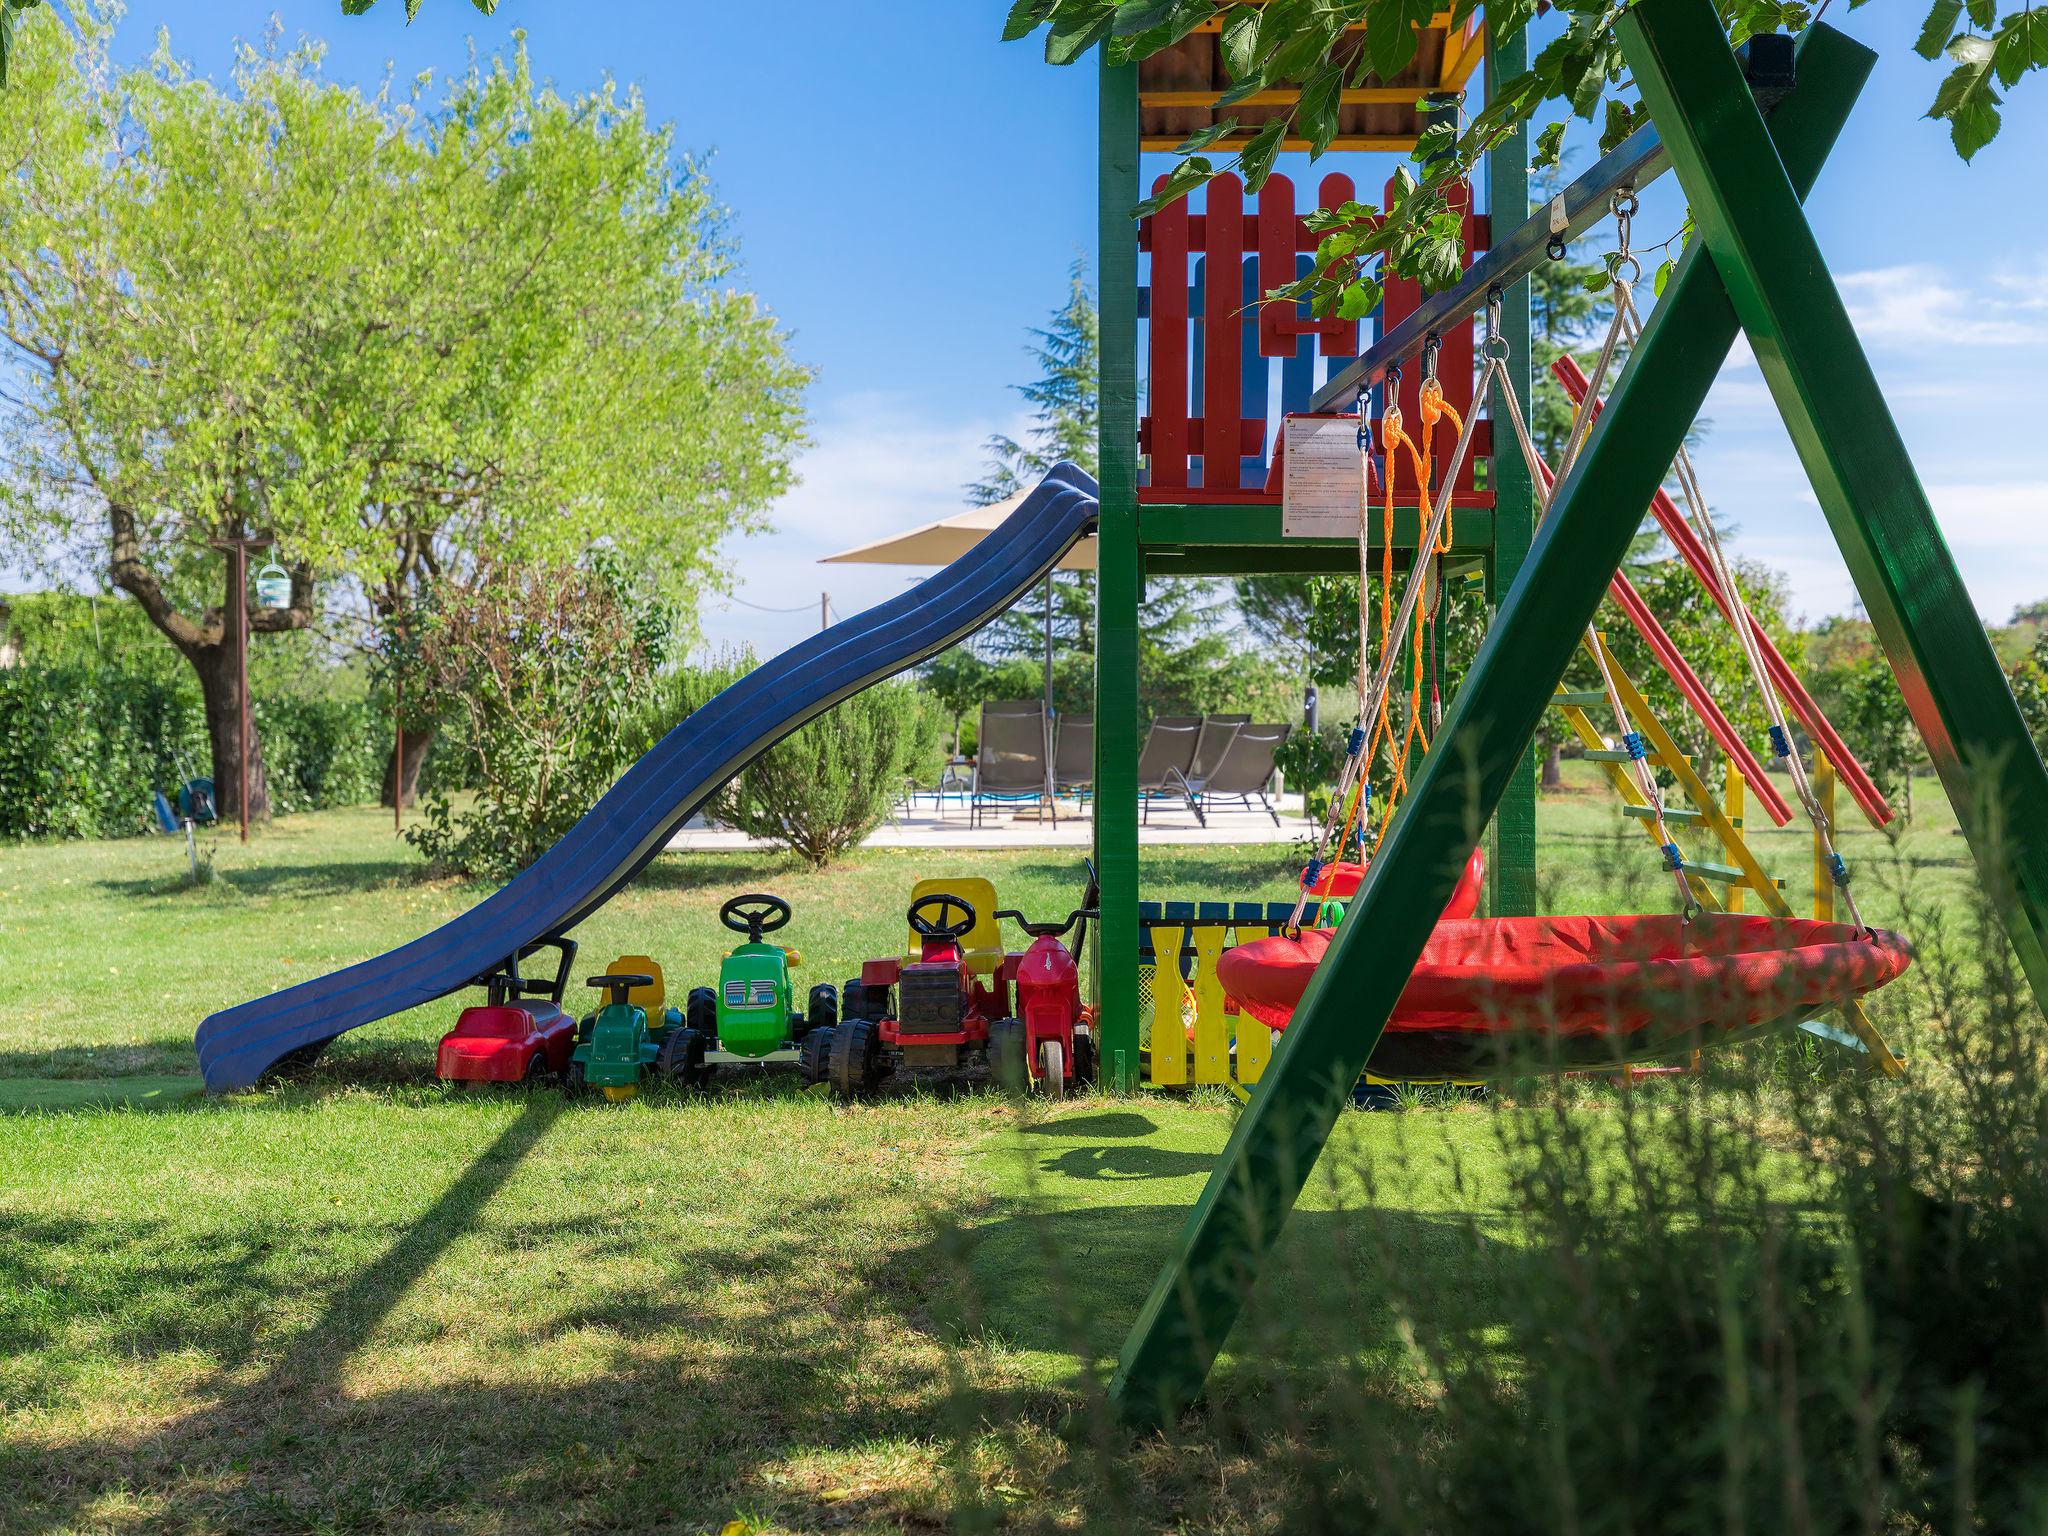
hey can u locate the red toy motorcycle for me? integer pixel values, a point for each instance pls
(1051, 1041)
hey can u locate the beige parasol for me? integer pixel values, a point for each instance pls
(945, 541)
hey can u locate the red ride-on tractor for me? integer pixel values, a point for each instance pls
(931, 1008)
(1051, 1040)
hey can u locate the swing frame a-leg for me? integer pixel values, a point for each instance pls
(1240, 1213)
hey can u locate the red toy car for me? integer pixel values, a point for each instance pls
(520, 1033)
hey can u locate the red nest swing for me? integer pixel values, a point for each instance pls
(1583, 991)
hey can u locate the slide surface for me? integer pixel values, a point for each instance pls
(638, 815)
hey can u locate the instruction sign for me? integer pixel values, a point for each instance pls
(1319, 489)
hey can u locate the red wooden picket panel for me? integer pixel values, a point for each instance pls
(1282, 233)
(1222, 234)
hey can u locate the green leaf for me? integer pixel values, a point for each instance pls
(1317, 112)
(1240, 44)
(1549, 146)
(1389, 40)
(1255, 163)
(1984, 13)
(1435, 141)
(1439, 262)
(1939, 27)
(1135, 16)
(1202, 138)
(1077, 28)
(356, 7)
(1966, 99)
(1180, 181)
(1663, 275)
(488, 7)
(2021, 45)
(412, 11)
(1025, 17)
(1621, 122)
(1599, 281)
(1358, 300)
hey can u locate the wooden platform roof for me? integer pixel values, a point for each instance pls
(1178, 86)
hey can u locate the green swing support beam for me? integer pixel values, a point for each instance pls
(1756, 268)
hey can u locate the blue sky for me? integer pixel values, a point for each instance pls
(908, 192)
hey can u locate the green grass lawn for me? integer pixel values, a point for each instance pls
(368, 1303)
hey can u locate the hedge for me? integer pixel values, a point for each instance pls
(82, 748)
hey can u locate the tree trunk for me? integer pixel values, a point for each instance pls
(1553, 766)
(419, 740)
(220, 685)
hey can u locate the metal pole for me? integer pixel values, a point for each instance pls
(824, 611)
(1049, 784)
(242, 667)
(398, 763)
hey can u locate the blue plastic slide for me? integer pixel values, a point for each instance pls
(638, 815)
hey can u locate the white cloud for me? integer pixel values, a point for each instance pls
(878, 464)
(1917, 306)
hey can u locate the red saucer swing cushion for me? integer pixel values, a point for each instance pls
(1342, 880)
(1626, 985)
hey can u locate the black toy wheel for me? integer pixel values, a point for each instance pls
(575, 1084)
(681, 1059)
(815, 1057)
(823, 1011)
(754, 915)
(856, 1052)
(853, 999)
(538, 1071)
(700, 1012)
(1084, 1065)
(936, 926)
(1006, 1056)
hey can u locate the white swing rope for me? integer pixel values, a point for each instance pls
(1627, 272)
(1371, 695)
(1781, 740)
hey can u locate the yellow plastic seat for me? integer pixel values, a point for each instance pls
(982, 945)
(649, 996)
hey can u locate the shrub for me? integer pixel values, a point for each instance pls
(550, 668)
(821, 791)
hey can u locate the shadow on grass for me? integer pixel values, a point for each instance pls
(735, 1351)
(329, 878)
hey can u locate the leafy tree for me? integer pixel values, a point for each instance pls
(408, 341)
(1851, 680)
(1292, 46)
(550, 666)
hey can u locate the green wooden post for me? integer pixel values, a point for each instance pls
(1750, 220)
(1119, 578)
(1511, 864)
(1487, 733)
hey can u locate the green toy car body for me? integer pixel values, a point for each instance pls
(619, 1045)
(751, 1017)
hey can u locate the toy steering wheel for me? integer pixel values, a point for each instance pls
(935, 927)
(1049, 930)
(754, 915)
(618, 985)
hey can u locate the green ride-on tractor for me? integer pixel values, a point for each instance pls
(619, 1044)
(750, 1018)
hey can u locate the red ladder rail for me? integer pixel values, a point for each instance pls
(1853, 775)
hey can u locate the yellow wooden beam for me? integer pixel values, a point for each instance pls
(1362, 96)
(1463, 53)
(1169, 1039)
(1399, 144)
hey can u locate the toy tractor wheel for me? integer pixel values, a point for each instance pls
(701, 1013)
(823, 1011)
(574, 1082)
(816, 1059)
(681, 1059)
(855, 1059)
(1006, 1056)
(1052, 1062)
(538, 1072)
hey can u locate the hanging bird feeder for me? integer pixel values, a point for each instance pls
(273, 587)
